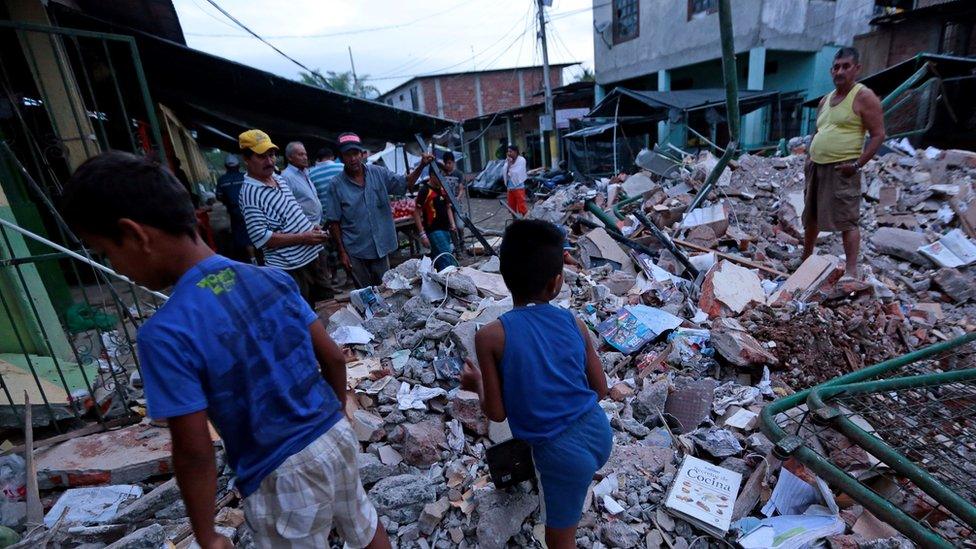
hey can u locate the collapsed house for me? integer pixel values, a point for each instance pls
(703, 319)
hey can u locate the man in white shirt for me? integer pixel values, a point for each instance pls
(297, 178)
(515, 176)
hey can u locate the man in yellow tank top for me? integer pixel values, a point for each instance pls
(832, 201)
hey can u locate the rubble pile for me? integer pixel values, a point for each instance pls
(690, 361)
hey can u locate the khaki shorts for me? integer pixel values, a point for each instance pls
(832, 202)
(299, 502)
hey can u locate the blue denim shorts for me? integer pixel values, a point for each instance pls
(566, 465)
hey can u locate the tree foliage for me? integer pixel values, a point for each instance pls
(342, 82)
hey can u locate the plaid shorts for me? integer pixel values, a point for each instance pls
(297, 504)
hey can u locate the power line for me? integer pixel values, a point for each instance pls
(269, 44)
(390, 73)
(334, 34)
(442, 69)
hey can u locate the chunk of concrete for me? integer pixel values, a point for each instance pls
(648, 405)
(619, 534)
(148, 505)
(368, 427)
(733, 343)
(402, 497)
(817, 272)
(465, 406)
(371, 469)
(954, 283)
(150, 537)
(500, 516)
(422, 442)
(730, 289)
(901, 243)
(125, 456)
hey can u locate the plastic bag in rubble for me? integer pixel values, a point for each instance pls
(13, 479)
(428, 288)
(718, 443)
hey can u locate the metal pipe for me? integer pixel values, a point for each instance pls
(818, 401)
(79, 257)
(625, 202)
(904, 86)
(877, 505)
(768, 415)
(731, 77)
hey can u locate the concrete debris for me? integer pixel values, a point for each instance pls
(901, 243)
(402, 498)
(466, 407)
(500, 516)
(150, 537)
(733, 343)
(690, 363)
(728, 289)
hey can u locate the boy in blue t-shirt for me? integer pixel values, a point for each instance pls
(539, 369)
(235, 344)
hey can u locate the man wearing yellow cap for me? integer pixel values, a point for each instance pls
(832, 201)
(276, 223)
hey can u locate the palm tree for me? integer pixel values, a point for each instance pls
(586, 76)
(342, 82)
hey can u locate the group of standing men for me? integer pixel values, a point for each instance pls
(292, 217)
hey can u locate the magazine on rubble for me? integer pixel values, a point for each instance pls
(703, 494)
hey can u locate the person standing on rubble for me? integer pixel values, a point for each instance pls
(832, 201)
(326, 167)
(237, 345)
(357, 207)
(515, 176)
(298, 178)
(538, 368)
(434, 218)
(276, 222)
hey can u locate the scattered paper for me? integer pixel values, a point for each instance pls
(952, 250)
(351, 335)
(416, 397)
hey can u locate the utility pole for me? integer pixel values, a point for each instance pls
(355, 80)
(550, 112)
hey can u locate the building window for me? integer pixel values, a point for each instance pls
(701, 8)
(626, 19)
(414, 99)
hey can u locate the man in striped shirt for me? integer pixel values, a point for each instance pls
(326, 167)
(276, 223)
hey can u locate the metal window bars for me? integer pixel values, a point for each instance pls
(898, 437)
(67, 322)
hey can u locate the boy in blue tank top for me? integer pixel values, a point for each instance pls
(237, 345)
(538, 368)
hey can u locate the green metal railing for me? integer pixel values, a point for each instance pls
(67, 322)
(847, 405)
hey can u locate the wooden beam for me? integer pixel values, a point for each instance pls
(734, 258)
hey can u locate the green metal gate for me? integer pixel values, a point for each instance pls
(67, 322)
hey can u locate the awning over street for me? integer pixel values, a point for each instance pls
(225, 97)
(591, 131)
(657, 105)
